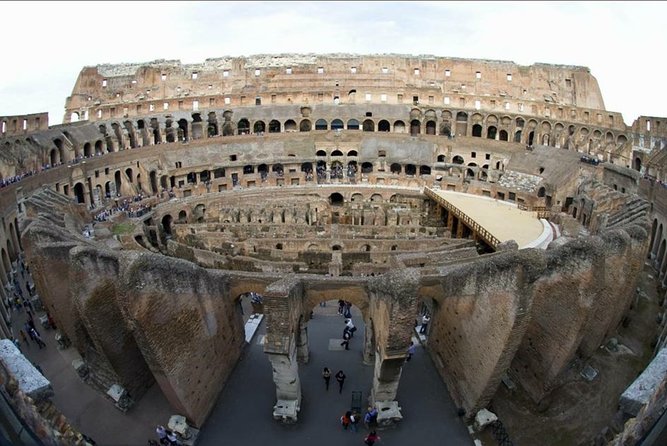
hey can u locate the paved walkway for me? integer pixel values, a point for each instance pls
(243, 412)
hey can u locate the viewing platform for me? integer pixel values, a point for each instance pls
(495, 221)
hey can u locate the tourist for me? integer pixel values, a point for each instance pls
(340, 377)
(371, 438)
(346, 339)
(411, 350)
(354, 421)
(24, 338)
(345, 419)
(371, 417)
(162, 435)
(38, 339)
(341, 306)
(425, 321)
(347, 310)
(326, 374)
(350, 326)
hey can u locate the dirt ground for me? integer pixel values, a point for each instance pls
(579, 410)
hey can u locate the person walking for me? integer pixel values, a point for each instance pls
(38, 339)
(341, 305)
(347, 310)
(345, 420)
(326, 374)
(411, 350)
(162, 435)
(425, 321)
(340, 377)
(350, 326)
(346, 339)
(371, 438)
(370, 419)
(354, 421)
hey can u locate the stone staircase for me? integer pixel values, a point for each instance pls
(635, 210)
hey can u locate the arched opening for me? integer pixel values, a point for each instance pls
(263, 171)
(351, 169)
(274, 126)
(353, 124)
(369, 125)
(183, 130)
(517, 136)
(336, 124)
(321, 124)
(541, 192)
(430, 127)
(395, 168)
(383, 126)
(79, 193)
(166, 224)
(399, 127)
(53, 157)
(99, 150)
(336, 248)
(248, 169)
(243, 127)
(531, 136)
(410, 169)
(458, 159)
(441, 158)
(290, 125)
(259, 127)
(352, 153)
(305, 126)
(337, 170)
(278, 169)
(182, 217)
(128, 172)
(638, 164)
(415, 127)
(307, 168)
(336, 199)
(336, 153)
(320, 153)
(87, 151)
(477, 130)
(424, 170)
(491, 132)
(366, 168)
(153, 180)
(503, 136)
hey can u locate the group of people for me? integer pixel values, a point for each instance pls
(351, 419)
(339, 376)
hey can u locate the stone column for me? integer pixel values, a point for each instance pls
(386, 376)
(394, 302)
(283, 302)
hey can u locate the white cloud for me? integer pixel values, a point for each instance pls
(51, 41)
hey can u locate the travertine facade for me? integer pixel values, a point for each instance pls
(301, 177)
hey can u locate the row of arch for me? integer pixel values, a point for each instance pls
(504, 128)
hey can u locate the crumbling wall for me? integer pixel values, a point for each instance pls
(479, 322)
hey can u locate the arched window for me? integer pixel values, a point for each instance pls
(336, 124)
(399, 127)
(305, 126)
(321, 124)
(369, 125)
(383, 126)
(395, 168)
(477, 130)
(353, 124)
(336, 199)
(415, 127)
(274, 126)
(243, 127)
(290, 125)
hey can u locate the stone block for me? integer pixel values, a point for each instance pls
(30, 381)
(285, 411)
(638, 394)
(389, 412)
(483, 418)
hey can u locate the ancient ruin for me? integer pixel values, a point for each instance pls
(503, 200)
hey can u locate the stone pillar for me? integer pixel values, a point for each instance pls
(386, 377)
(284, 325)
(394, 301)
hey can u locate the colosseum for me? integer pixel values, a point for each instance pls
(503, 202)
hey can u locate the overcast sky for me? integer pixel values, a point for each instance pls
(45, 45)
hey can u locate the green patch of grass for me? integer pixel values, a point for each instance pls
(122, 229)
